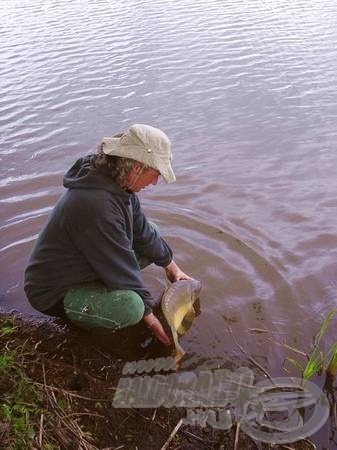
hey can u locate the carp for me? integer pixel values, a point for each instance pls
(177, 307)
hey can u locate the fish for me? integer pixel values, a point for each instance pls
(177, 307)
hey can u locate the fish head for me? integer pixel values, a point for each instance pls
(195, 286)
(178, 299)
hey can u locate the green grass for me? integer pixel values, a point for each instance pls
(332, 357)
(6, 362)
(7, 328)
(31, 415)
(18, 404)
(314, 364)
(317, 361)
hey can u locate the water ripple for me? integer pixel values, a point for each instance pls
(246, 92)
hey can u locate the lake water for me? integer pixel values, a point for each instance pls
(247, 93)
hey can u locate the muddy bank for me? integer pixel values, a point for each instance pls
(57, 385)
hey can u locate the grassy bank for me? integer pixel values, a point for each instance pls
(56, 392)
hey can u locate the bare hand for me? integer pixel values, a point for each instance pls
(153, 323)
(174, 273)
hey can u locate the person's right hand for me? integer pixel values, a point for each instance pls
(174, 273)
(153, 323)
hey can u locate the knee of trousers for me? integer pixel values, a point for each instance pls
(134, 307)
(110, 310)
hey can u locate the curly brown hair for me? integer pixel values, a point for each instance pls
(116, 167)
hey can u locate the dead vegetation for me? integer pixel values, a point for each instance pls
(56, 392)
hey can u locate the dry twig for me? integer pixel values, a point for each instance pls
(287, 346)
(252, 359)
(41, 431)
(188, 433)
(237, 432)
(71, 394)
(68, 423)
(174, 432)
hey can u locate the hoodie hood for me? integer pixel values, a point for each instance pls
(84, 175)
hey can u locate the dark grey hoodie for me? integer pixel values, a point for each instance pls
(92, 234)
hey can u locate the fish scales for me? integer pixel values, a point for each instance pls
(177, 303)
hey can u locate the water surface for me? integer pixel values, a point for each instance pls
(247, 93)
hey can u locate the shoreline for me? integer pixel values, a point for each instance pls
(57, 387)
(78, 381)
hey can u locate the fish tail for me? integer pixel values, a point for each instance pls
(178, 347)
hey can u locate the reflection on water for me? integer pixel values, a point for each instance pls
(246, 91)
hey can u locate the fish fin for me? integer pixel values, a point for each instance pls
(187, 322)
(181, 329)
(178, 347)
(177, 357)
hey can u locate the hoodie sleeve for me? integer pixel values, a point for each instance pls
(146, 240)
(102, 239)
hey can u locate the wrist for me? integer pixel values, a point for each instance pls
(151, 323)
(171, 266)
(150, 320)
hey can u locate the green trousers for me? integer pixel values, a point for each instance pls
(93, 306)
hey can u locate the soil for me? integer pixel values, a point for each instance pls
(85, 369)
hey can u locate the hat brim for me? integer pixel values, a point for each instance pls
(113, 146)
(166, 172)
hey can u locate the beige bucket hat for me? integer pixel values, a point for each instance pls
(145, 144)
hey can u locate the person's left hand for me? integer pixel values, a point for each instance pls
(174, 273)
(153, 323)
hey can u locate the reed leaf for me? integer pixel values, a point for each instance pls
(317, 360)
(332, 357)
(324, 327)
(314, 365)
